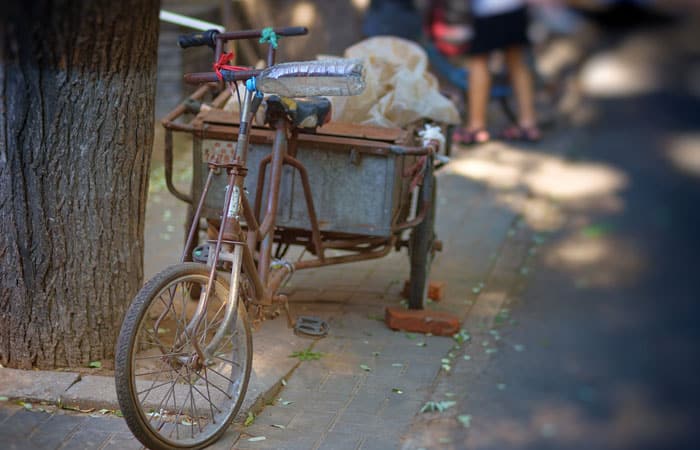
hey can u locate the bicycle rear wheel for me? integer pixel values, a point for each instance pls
(169, 397)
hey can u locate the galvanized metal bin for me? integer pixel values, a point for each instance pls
(357, 183)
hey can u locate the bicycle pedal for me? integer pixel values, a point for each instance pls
(312, 326)
(201, 255)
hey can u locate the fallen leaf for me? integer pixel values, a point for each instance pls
(249, 419)
(375, 354)
(467, 357)
(421, 344)
(397, 365)
(519, 347)
(397, 391)
(465, 420)
(95, 364)
(287, 402)
(257, 438)
(365, 367)
(281, 427)
(3, 398)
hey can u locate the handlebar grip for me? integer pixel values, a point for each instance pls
(198, 39)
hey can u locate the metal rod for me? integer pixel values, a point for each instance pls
(194, 228)
(262, 168)
(315, 230)
(308, 264)
(278, 152)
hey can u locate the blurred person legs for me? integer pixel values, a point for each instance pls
(499, 25)
(521, 80)
(478, 99)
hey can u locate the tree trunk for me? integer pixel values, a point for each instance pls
(77, 88)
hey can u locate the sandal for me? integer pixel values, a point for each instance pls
(471, 137)
(520, 133)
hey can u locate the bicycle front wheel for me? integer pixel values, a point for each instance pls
(169, 396)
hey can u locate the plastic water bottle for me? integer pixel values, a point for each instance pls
(329, 77)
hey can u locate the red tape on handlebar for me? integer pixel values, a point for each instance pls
(222, 63)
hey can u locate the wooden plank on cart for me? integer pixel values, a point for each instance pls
(384, 134)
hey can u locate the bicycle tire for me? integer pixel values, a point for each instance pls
(180, 359)
(421, 245)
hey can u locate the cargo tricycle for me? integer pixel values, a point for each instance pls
(339, 192)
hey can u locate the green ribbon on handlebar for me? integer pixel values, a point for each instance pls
(269, 35)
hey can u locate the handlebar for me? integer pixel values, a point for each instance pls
(198, 39)
(210, 37)
(228, 75)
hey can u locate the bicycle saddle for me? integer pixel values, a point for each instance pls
(309, 112)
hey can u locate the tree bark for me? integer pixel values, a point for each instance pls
(77, 88)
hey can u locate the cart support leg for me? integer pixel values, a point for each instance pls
(268, 228)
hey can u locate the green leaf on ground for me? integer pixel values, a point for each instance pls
(27, 405)
(365, 367)
(287, 402)
(467, 357)
(421, 344)
(257, 439)
(281, 427)
(465, 420)
(375, 354)
(491, 350)
(162, 331)
(306, 355)
(397, 390)
(437, 406)
(519, 347)
(284, 382)
(249, 419)
(462, 336)
(410, 336)
(3, 398)
(95, 364)
(397, 365)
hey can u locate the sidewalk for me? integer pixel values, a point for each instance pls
(364, 390)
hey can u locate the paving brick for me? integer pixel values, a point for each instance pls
(308, 421)
(366, 403)
(87, 439)
(55, 430)
(292, 442)
(336, 440)
(422, 321)
(123, 441)
(341, 384)
(6, 411)
(275, 415)
(106, 423)
(21, 424)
